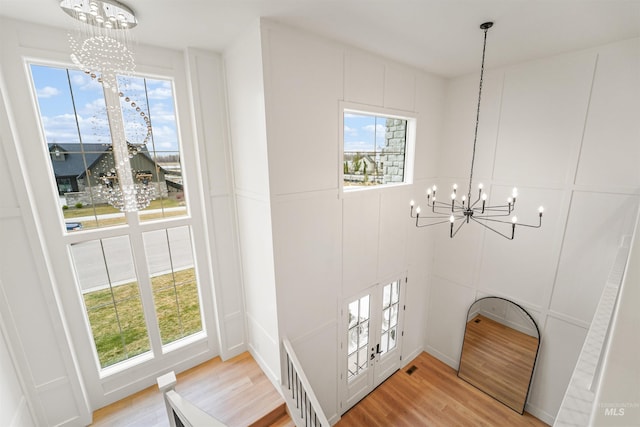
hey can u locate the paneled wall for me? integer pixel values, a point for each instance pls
(564, 130)
(247, 132)
(30, 318)
(14, 410)
(329, 245)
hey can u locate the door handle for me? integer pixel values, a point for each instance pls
(378, 349)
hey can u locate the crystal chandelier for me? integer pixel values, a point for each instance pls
(102, 49)
(460, 211)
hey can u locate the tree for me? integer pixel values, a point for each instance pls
(356, 163)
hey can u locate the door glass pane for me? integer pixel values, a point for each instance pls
(395, 288)
(386, 296)
(384, 342)
(352, 365)
(363, 335)
(108, 283)
(357, 336)
(390, 306)
(353, 313)
(173, 281)
(353, 340)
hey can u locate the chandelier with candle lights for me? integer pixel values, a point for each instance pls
(458, 211)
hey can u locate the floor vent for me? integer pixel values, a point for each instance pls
(412, 369)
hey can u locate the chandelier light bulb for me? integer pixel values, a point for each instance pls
(453, 196)
(509, 200)
(480, 186)
(428, 191)
(418, 210)
(451, 219)
(412, 203)
(484, 196)
(541, 210)
(434, 188)
(464, 197)
(514, 193)
(514, 219)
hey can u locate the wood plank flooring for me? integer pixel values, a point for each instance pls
(432, 396)
(236, 392)
(498, 360)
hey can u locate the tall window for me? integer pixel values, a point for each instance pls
(135, 272)
(377, 149)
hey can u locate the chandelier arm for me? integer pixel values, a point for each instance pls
(493, 216)
(493, 229)
(429, 225)
(475, 203)
(496, 209)
(483, 218)
(453, 233)
(493, 207)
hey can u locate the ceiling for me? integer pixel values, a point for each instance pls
(440, 36)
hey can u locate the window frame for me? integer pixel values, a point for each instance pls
(43, 192)
(410, 143)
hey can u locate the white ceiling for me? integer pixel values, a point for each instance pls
(441, 36)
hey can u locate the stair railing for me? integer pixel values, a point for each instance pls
(181, 412)
(304, 407)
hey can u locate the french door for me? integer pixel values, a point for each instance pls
(371, 339)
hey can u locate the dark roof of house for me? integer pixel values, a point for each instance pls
(74, 164)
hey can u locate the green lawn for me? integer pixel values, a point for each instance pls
(98, 210)
(117, 320)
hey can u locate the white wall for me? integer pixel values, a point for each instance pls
(206, 87)
(14, 410)
(564, 130)
(35, 330)
(247, 128)
(328, 245)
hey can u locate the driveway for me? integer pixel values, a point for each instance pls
(164, 249)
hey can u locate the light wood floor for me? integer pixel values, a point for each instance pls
(236, 392)
(432, 396)
(499, 360)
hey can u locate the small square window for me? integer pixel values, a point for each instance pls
(377, 149)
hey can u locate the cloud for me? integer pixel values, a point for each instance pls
(350, 131)
(360, 146)
(48, 92)
(375, 128)
(160, 93)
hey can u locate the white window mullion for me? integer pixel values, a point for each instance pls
(144, 283)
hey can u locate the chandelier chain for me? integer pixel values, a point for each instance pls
(475, 136)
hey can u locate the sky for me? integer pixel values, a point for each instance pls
(362, 133)
(57, 93)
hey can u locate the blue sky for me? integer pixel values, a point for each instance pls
(363, 133)
(56, 105)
